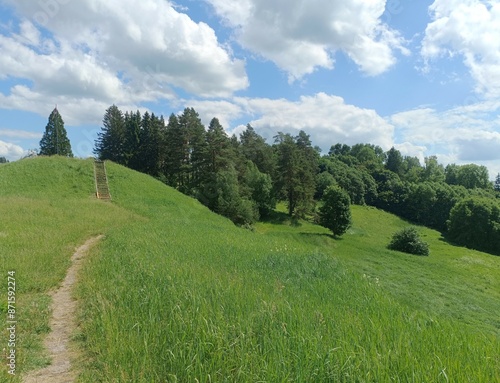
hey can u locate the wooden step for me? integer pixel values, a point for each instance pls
(101, 180)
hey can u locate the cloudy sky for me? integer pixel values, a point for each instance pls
(423, 76)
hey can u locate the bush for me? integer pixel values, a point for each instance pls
(409, 241)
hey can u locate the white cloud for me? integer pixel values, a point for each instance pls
(463, 134)
(471, 29)
(224, 111)
(75, 110)
(326, 118)
(302, 35)
(101, 52)
(10, 151)
(411, 150)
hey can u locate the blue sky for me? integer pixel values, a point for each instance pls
(423, 76)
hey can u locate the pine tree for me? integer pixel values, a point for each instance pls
(174, 152)
(287, 181)
(150, 155)
(55, 140)
(219, 149)
(307, 169)
(194, 147)
(111, 140)
(219, 157)
(132, 139)
(295, 179)
(255, 149)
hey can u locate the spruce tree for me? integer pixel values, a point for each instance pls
(150, 156)
(55, 140)
(132, 139)
(111, 140)
(220, 157)
(195, 150)
(174, 152)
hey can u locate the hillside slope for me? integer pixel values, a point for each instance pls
(177, 293)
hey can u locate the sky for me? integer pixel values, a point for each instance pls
(422, 76)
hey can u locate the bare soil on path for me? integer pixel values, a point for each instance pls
(62, 326)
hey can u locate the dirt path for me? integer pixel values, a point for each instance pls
(62, 325)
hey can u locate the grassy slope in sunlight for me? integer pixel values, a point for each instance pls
(176, 293)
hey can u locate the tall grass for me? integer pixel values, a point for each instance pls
(186, 296)
(47, 209)
(175, 293)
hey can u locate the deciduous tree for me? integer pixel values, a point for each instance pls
(335, 214)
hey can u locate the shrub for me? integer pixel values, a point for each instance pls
(409, 241)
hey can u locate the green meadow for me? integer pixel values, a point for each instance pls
(175, 293)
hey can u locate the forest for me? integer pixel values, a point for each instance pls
(244, 177)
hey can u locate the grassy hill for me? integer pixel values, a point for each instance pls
(175, 293)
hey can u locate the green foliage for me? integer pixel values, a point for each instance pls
(111, 140)
(470, 176)
(199, 162)
(433, 171)
(497, 183)
(296, 170)
(323, 181)
(55, 140)
(3, 160)
(174, 152)
(261, 189)
(229, 201)
(473, 176)
(360, 185)
(395, 161)
(335, 214)
(408, 241)
(255, 149)
(475, 223)
(151, 151)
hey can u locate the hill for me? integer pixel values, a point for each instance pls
(177, 293)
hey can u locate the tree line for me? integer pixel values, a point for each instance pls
(244, 177)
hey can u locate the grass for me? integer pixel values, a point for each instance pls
(175, 293)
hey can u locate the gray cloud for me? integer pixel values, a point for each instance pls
(484, 146)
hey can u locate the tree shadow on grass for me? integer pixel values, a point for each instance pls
(450, 242)
(280, 218)
(328, 235)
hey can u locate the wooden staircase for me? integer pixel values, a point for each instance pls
(101, 181)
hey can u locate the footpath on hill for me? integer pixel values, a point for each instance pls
(62, 325)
